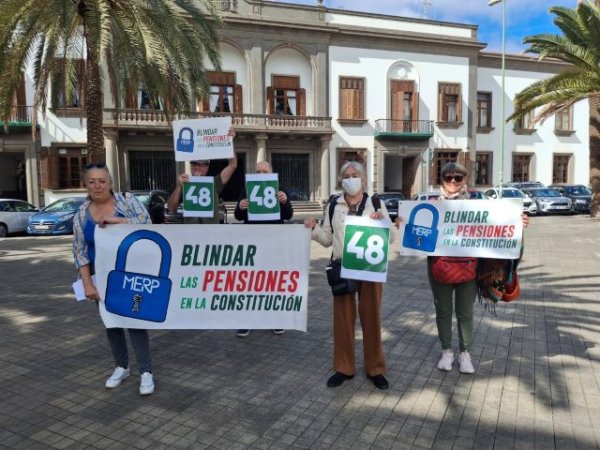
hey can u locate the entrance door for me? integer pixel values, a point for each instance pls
(152, 170)
(293, 170)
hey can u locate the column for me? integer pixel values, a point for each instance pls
(261, 147)
(110, 144)
(325, 141)
(31, 175)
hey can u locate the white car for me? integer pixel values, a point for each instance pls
(14, 215)
(529, 206)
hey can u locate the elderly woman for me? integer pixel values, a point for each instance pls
(459, 297)
(353, 202)
(106, 207)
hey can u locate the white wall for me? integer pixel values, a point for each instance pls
(377, 67)
(544, 142)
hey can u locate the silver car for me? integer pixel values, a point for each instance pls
(529, 206)
(550, 201)
(14, 215)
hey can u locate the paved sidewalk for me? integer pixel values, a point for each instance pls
(537, 380)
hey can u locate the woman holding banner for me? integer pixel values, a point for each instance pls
(106, 207)
(459, 293)
(354, 201)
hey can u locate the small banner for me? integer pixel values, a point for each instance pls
(261, 189)
(481, 228)
(196, 139)
(199, 197)
(203, 277)
(365, 253)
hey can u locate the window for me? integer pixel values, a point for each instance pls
(525, 123)
(225, 96)
(345, 154)
(404, 106)
(352, 98)
(449, 103)
(521, 168)
(560, 168)
(484, 110)
(70, 164)
(68, 85)
(441, 158)
(285, 97)
(483, 161)
(564, 119)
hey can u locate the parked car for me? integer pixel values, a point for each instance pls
(580, 195)
(524, 184)
(14, 215)
(549, 201)
(529, 206)
(154, 201)
(391, 200)
(56, 218)
(476, 194)
(433, 195)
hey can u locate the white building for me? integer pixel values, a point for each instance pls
(310, 87)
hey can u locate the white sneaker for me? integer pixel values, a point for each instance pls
(464, 363)
(117, 376)
(446, 360)
(146, 384)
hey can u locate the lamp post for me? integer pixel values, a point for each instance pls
(502, 112)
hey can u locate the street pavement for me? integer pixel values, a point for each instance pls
(536, 386)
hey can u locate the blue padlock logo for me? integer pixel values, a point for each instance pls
(421, 237)
(136, 295)
(185, 144)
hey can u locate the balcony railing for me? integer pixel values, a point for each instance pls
(20, 115)
(404, 129)
(144, 118)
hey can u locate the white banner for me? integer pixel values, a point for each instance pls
(482, 228)
(197, 139)
(203, 277)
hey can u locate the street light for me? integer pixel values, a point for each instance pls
(502, 115)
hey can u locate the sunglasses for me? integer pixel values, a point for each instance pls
(198, 164)
(457, 178)
(94, 166)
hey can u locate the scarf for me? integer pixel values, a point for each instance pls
(460, 195)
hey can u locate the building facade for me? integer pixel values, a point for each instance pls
(310, 87)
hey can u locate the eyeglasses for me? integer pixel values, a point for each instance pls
(94, 166)
(457, 178)
(199, 163)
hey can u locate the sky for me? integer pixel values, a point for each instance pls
(523, 17)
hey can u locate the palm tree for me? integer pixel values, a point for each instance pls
(161, 43)
(579, 45)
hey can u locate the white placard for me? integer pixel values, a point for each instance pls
(197, 139)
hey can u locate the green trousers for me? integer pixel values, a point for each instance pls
(462, 297)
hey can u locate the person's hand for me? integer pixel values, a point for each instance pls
(244, 204)
(282, 197)
(525, 220)
(231, 132)
(376, 215)
(91, 292)
(310, 222)
(183, 178)
(397, 222)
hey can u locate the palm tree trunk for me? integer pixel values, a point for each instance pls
(594, 103)
(94, 106)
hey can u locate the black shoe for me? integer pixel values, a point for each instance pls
(337, 379)
(379, 381)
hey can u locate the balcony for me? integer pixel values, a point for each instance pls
(258, 123)
(19, 119)
(404, 130)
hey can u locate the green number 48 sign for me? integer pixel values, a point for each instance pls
(366, 244)
(263, 203)
(199, 197)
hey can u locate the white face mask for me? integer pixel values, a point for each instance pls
(351, 185)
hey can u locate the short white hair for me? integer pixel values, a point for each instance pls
(358, 167)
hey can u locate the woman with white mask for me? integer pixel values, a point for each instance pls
(354, 201)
